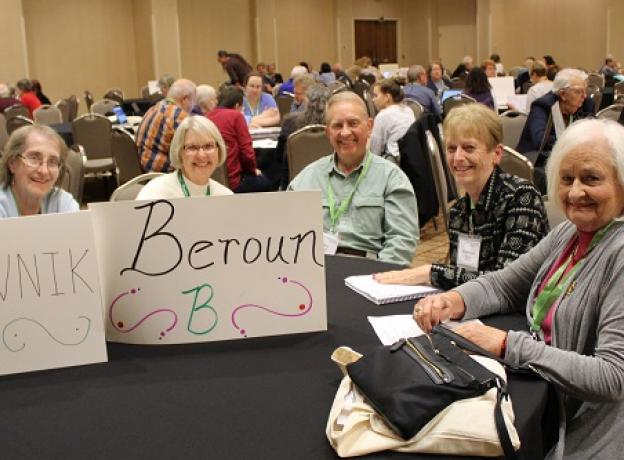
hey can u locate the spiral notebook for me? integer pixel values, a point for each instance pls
(387, 293)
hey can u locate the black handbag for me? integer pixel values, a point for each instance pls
(411, 381)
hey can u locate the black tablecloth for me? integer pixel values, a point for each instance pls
(265, 398)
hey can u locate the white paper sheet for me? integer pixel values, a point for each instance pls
(264, 144)
(392, 328)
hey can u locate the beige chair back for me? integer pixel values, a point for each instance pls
(48, 115)
(305, 146)
(596, 79)
(370, 106)
(73, 182)
(595, 94)
(125, 155)
(94, 133)
(131, 189)
(284, 103)
(17, 122)
(517, 164)
(611, 113)
(63, 106)
(439, 176)
(16, 110)
(4, 136)
(221, 175)
(72, 103)
(513, 124)
(416, 107)
(104, 106)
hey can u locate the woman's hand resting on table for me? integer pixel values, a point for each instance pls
(417, 275)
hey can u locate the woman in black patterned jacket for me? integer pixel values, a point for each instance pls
(499, 218)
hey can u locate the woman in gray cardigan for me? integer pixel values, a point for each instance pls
(572, 284)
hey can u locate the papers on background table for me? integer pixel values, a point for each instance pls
(386, 293)
(264, 144)
(392, 328)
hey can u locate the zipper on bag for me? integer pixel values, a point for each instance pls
(436, 372)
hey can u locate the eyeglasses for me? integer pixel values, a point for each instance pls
(194, 148)
(35, 161)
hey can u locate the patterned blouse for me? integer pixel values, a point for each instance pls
(509, 217)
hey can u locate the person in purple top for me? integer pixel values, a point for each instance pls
(478, 87)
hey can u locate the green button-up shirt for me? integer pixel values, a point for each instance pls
(383, 215)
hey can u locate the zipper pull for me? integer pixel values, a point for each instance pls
(397, 345)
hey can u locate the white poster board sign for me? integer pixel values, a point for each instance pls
(502, 88)
(211, 268)
(51, 312)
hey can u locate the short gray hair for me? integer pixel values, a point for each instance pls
(166, 81)
(563, 77)
(414, 72)
(583, 132)
(5, 91)
(298, 70)
(199, 125)
(182, 88)
(16, 144)
(346, 96)
(206, 97)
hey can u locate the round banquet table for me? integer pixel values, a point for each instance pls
(261, 398)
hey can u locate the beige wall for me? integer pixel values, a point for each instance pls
(73, 45)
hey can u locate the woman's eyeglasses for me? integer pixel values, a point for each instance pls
(35, 161)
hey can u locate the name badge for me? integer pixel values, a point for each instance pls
(468, 250)
(330, 243)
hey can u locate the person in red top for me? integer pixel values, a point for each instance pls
(27, 96)
(243, 175)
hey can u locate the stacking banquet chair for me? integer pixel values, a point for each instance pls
(439, 176)
(131, 189)
(596, 79)
(125, 155)
(595, 94)
(93, 132)
(618, 92)
(513, 124)
(220, 174)
(416, 107)
(517, 164)
(17, 122)
(114, 94)
(104, 106)
(89, 99)
(612, 112)
(48, 115)
(72, 103)
(304, 146)
(73, 181)
(284, 103)
(16, 110)
(63, 106)
(455, 101)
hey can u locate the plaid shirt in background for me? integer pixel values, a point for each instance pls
(155, 133)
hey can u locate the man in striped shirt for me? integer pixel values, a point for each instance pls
(160, 122)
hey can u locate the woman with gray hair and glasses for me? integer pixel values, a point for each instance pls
(31, 169)
(197, 149)
(571, 286)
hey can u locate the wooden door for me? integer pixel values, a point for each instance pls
(376, 39)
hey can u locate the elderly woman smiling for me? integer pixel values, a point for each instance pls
(196, 150)
(30, 171)
(572, 284)
(500, 217)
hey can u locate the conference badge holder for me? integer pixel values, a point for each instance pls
(331, 240)
(468, 250)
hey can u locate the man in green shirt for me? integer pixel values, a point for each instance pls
(369, 207)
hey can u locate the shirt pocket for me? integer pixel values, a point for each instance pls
(367, 214)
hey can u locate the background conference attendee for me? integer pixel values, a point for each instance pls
(197, 149)
(289, 85)
(392, 121)
(31, 168)
(367, 201)
(243, 175)
(438, 82)
(552, 113)
(478, 87)
(503, 213)
(36, 85)
(326, 74)
(159, 124)
(300, 85)
(165, 82)
(206, 98)
(6, 100)
(418, 90)
(541, 85)
(572, 285)
(259, 108)
(463, 68)
(27, 96)
(235, 65)
(489, 67)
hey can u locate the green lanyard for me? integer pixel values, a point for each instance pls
(556, 284)
(336, 213)
(185, 188)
